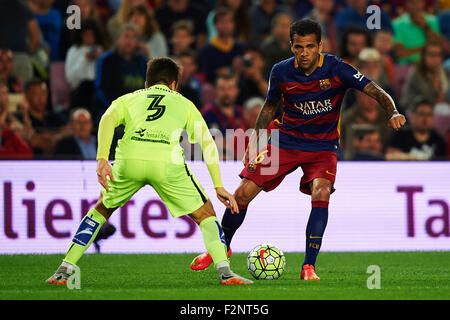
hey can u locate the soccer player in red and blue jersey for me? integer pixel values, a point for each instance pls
(309, 89)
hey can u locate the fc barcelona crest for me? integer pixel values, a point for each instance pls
(325, 84)
(251, 167)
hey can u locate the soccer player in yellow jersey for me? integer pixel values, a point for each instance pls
(150, 153)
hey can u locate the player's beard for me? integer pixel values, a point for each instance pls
(310, 66)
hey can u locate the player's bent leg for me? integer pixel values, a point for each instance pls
(83, 238)
(203, 261)
(215, 244)
(244, 194)
(317, 222)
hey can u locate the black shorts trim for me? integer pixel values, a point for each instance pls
(195, 185)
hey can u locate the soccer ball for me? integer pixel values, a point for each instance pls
(266, 262)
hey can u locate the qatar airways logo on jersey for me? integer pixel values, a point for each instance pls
(314, 107)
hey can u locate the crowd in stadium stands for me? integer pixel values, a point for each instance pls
(56, 82)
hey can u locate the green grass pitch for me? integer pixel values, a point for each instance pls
(404, 275)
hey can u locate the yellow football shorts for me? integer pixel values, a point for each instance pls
(175, 184)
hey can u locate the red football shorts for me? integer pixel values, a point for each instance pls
(268, 169)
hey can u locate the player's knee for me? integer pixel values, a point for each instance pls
(243, 196)
(104, 211)
(321, 192)
(203, 212)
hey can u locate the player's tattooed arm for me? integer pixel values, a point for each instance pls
(265, 116)
(396, 120)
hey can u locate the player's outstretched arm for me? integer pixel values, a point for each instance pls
(198, 132)
(109, 121)
(265, 116)
(396, 120)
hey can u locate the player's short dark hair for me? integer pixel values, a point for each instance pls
(360, 132)
(228, 76)
(346, 34)
(304, 27)
(420, 101)
(220, 12)
(183, 25)
(163, 70)
(34, 82)
(188, 53)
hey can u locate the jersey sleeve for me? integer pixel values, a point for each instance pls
(198, 132)
(351, 77)
(274, 93)
(113, 117)
(195, 122)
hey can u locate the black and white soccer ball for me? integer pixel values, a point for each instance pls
(266, 262)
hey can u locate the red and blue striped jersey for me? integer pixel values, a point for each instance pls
(311, 112)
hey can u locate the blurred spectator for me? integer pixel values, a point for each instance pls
(252, 107)
(152, 42)
(355, 15)
(119, 71)
(15, 84)
(19, 32)
(261, 15)
(391, 7)
(427, 79)
(22, 128)
(12, 146)
(322, 12)
(50, 22)
(241, 137)
(81, 145)
(224, 113)
(175, 10)
(241, 20)
(372, 66)
(117, 21)
(252, 82)
(182, 37)
(46, 126)
(367, 145)
(365, 111)
(87, 11)
(81, 63)
(412, 30)
(304, 7)
(420, 141)
(276, 47)
(383, 43)
(354, 40)
(218, 56)
(190, 86)
(37, 97)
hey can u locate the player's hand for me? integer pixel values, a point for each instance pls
(396, 121)
(227, 199)
(103, 171)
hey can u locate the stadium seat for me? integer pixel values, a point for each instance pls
(59, 87)
(400, 74)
